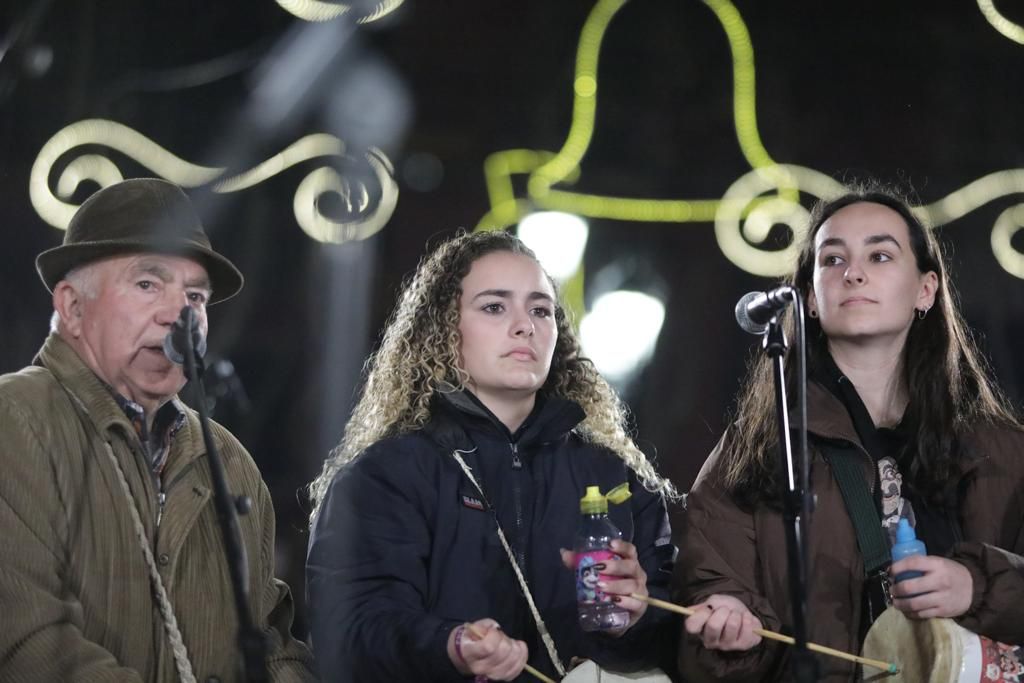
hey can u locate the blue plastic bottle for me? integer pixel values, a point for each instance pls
(905, 546)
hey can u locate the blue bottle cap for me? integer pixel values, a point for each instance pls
(905, 532)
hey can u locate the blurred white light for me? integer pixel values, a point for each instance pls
(620, 332)
(315, 10)
(557, 239)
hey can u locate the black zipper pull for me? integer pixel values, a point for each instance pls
(517, 464)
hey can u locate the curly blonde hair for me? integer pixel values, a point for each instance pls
(419, 354)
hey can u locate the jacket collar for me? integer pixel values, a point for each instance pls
(457, 413)
(92, 395)
(827, 417)
(81, 382)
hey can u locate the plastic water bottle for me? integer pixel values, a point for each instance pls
(598, 612)
(905, 546)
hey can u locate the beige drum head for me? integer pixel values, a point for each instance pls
(926, 651)
(589, 672)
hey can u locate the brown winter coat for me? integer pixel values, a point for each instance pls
(75, 595)
(727, 550)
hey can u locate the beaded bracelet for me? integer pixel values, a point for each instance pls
(458, 642)
(459, 632)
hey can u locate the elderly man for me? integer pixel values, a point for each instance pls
(113, 567)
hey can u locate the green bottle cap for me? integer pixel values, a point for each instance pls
(596, 503)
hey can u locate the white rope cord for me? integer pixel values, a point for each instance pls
(181, 661)
(549, 642)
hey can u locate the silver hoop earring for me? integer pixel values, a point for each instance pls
(813, 313)
(922, 312)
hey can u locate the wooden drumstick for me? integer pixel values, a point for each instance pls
(529, 669)
(772, 635)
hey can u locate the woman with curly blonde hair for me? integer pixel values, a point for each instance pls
(478, 377)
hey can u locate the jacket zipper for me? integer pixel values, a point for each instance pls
(517, 465)
(158, 484)
(161, 500)
(161, 495)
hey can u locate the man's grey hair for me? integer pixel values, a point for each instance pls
(83, 280)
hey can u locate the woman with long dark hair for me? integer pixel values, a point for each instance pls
(898, 388)
(478, 380)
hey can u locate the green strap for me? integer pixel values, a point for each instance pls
(860, 505)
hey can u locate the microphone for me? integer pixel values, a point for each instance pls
(176, 341)
(756, 309)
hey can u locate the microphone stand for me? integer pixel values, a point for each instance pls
(797, 496)
(250, 639)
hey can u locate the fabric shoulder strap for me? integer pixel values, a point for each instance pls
(860, 505)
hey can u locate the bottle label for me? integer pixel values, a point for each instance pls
(588, 574)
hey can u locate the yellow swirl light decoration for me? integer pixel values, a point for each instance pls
(500, 166)
(314, 10)
(582, 128)
(498, 171)
(744, 93)
(1014, 32)
(584, 107)
(974, 195)
(768, 195)
(982, 191)
(1007, 225)
(53, 208)
(327, 180)
(738, 240)
(581, 131)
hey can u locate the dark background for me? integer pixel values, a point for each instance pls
(925, 94)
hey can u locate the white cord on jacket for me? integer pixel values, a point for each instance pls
(181, 661)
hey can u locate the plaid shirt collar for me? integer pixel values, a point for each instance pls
(166, 424)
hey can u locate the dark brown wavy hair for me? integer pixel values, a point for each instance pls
(419, 356)
(947, 380)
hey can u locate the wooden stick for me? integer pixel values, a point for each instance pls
(876, 663)
(529, 669)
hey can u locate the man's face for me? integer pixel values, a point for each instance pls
(119, 330)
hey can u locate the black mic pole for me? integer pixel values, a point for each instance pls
(250, 638)
(796, 496)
